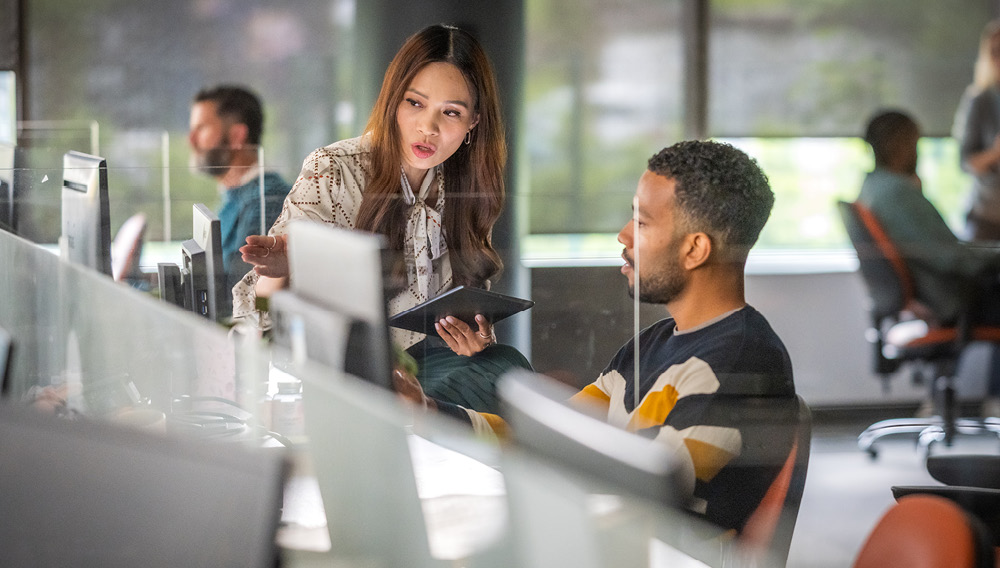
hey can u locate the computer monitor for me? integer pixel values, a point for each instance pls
(336, 275)
(313, 331)
(200, 284)
(92, 493)
(171, 284)
(541, 420)
(86, 220)
(203, 261)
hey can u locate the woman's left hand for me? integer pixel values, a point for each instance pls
(462, 338)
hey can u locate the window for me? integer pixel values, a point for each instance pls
(792, 84)
(602, 93)
(133, 67)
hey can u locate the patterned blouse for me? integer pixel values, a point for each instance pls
(329, 190)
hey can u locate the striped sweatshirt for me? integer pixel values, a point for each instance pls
(720, 394)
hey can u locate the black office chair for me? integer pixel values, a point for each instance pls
(966, 470)
(903, 330)
(767, 535)
(972, 481)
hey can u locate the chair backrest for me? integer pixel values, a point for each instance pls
(890, 285)
(770, 527)
(974, 470)
(126, 248)
(981, 502)
(926, 531)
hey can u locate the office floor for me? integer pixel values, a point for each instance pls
(847, 492)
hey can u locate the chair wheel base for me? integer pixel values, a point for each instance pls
(928, 431)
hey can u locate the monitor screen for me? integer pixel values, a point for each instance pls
(318, 255)
(200, 284)
(86, 221)
(212, 299)
(342, 271)
(543, 422)
(195, 273)
(313, 331)
(90, 493)
(171, 284)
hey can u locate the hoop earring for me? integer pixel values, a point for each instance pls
(468, 137)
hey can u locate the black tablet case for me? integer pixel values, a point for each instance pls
(463, 303)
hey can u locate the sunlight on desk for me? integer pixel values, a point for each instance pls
(463, 502)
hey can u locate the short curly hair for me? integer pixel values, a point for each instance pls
(719, 190)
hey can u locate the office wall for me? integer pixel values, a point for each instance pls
(583, 315)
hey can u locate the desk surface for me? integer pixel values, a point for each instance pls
(464, 505)
(463, 502)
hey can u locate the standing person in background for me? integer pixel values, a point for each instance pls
(428, 174)
(977, 129)
(225, 131)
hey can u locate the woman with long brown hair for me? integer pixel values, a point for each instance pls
(428, 175)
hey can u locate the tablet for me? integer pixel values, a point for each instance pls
(463, 303)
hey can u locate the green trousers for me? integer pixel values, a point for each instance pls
(466, 381)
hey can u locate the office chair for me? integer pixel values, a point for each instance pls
(126, 248)
(926, 531)
(768, 532)
(903, 330)
(982, 503)
(966, 470)
(972, 481)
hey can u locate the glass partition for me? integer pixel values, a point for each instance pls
(84, 345)
(422, 490)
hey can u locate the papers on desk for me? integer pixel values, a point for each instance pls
(441, 472)
(663, 555)
(463, 500)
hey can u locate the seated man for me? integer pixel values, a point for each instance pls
(714, 380)
(947, 273)
(226, 129)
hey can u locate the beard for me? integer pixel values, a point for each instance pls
(660, 286)
(214, 161)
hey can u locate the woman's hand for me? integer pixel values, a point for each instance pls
(408, 388)
(461, 338)
(267, 254)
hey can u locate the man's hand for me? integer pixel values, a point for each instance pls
(267, 254)
(461, 338)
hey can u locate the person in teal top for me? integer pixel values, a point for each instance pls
(946, 270)
(239, 216)
(225, 132)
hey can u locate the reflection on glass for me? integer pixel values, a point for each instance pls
(602, 93)
(782, 68)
